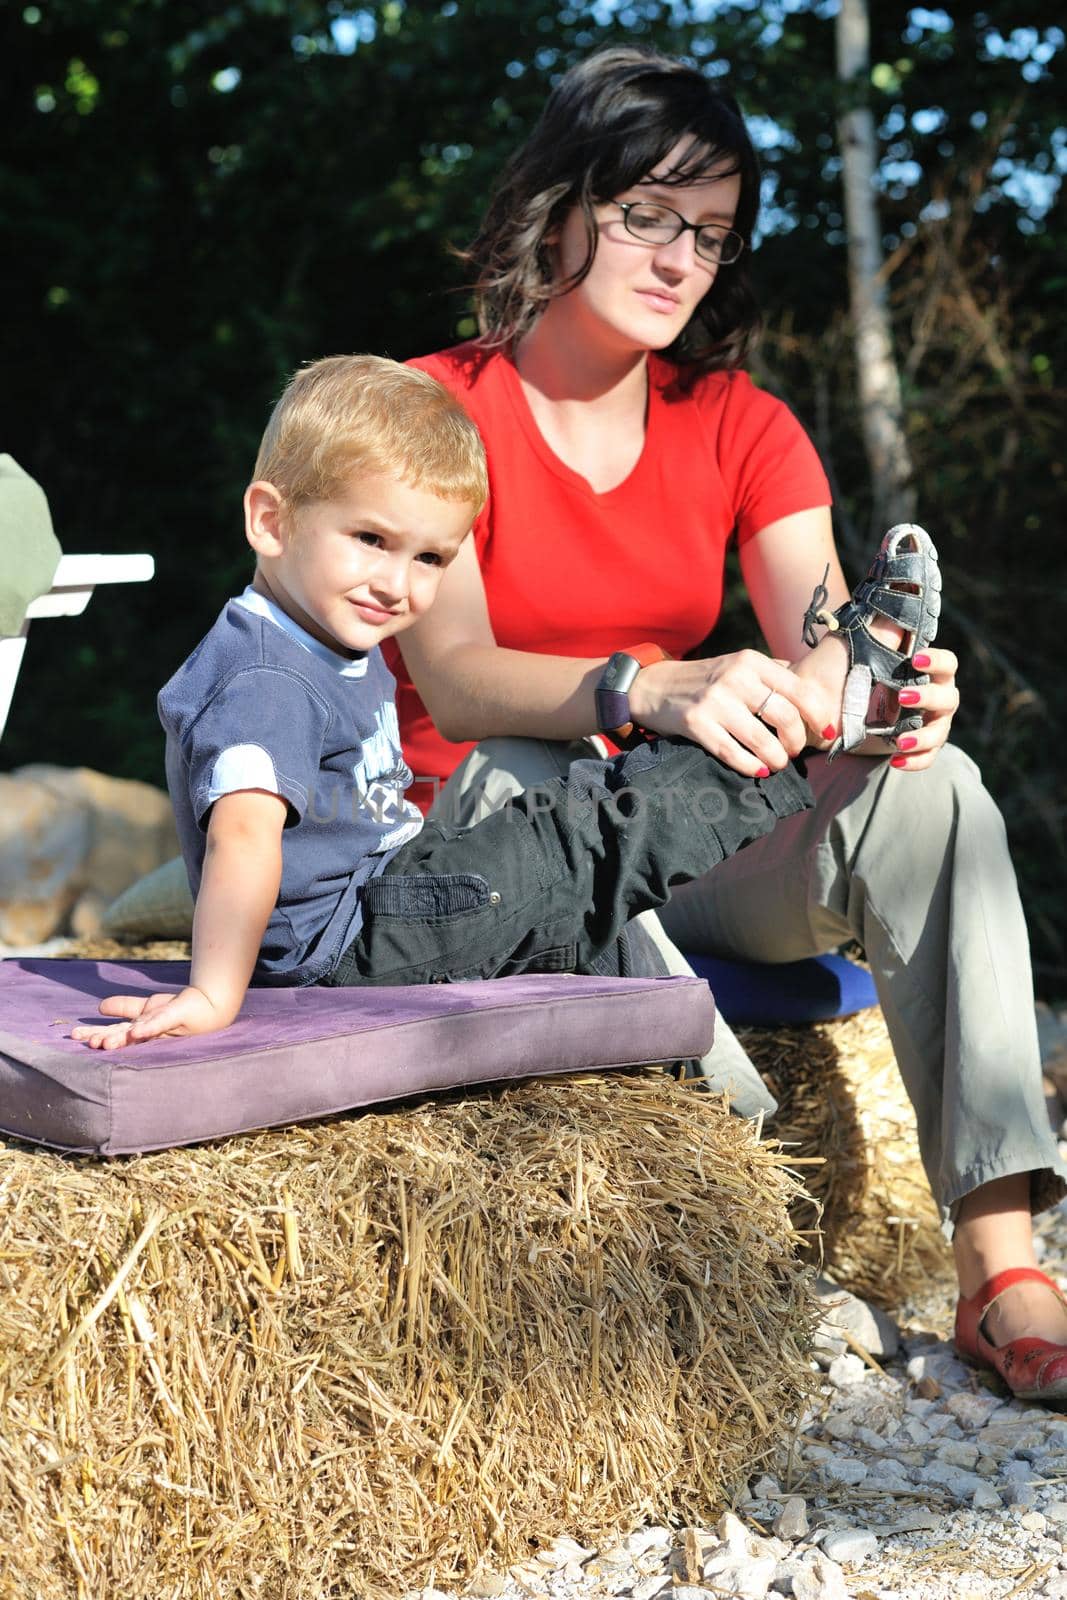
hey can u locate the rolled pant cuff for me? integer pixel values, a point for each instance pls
(1048, 1184)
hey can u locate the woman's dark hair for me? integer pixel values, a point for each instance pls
(607, 124)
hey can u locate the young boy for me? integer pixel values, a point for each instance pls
(284, 763)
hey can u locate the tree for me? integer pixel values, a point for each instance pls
(881, 410)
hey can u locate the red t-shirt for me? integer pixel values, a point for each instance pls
(574, 573)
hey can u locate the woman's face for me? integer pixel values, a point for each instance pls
(637, 294)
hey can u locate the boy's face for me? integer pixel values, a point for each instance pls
(364, 566)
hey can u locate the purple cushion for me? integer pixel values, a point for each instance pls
(294, 1054)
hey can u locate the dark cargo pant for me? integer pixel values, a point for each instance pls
(550, 883)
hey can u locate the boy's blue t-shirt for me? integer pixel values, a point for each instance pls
(260, 704)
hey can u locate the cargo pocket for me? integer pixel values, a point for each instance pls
(427, 897)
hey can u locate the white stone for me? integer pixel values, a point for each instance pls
(582, 1552)
(958, 1453)
(1012, 1435)
(746, 1576)
(845, 1371)
(841, 1310)
(819, 1579)
(645, 1588)
(487, 1585)
(766, 1488)
(958, 1482)
(985, 1498)
(526, 1573)
(1033, 1522)
(1056, 1512)
(891, 1474)
(654, 1538)
(844, 1469)
(871, 1439)
(792, 1521)
(972, 1410)
(849, 1546)
(910, 1522)
(733, 1533)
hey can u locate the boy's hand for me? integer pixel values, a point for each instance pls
(157, 1016)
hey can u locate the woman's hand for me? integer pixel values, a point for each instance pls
(938, 701)
(155, 1016)
(751, 711)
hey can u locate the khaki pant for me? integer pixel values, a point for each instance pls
(913, 865)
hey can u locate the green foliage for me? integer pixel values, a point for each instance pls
(203, 196)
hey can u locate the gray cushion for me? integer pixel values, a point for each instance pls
(295, 1054)
(157, 906)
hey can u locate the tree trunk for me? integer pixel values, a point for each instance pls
(878, 376)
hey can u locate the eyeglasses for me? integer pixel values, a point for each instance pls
(656, 224)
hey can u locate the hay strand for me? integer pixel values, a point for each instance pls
(844, 1113)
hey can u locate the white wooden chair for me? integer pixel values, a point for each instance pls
(72, 588)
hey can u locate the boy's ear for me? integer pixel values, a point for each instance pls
(263, 518)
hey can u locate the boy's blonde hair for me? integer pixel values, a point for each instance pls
(347, 415)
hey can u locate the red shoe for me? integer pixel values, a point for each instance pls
(1033, 1369)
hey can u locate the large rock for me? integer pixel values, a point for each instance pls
(71, 839)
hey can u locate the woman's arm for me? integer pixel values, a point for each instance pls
(238, 890)
(474, 689)
(781, 566)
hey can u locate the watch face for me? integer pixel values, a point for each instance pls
(620, 672)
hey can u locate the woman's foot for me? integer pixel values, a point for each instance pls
(1033, 1365)
(1011, 1318)
(1030, 1309)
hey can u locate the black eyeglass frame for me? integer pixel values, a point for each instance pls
(626, 206)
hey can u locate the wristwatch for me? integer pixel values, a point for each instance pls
(612, 691)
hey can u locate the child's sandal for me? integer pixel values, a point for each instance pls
(903, 585)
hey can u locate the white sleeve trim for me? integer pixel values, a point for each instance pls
(242, 766)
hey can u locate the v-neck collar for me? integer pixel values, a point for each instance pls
(539, 444)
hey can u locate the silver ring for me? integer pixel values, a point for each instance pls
(761, 708)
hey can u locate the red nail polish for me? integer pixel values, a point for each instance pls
(907, 742)
(898, 761)
(920, 661)
(763, 772)
(909, 697)
(829, 732)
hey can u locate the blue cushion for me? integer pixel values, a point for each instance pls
(765, 994)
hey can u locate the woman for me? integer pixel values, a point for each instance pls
(626, 448)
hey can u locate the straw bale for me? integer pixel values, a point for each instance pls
(350, 1358)
(844, 1113)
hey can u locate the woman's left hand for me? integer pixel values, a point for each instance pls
(938, 701)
